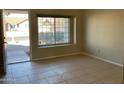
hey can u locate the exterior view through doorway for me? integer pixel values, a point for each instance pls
(16, 30)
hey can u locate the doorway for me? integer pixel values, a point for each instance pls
(16, 30)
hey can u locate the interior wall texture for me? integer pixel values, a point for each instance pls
(104, 34)
(39, 52)
(98, 32)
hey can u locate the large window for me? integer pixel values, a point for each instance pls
(54, 30)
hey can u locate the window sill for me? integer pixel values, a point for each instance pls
(50, 46)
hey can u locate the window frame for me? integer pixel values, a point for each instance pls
(71, 30)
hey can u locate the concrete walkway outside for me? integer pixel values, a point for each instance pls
(17, 53)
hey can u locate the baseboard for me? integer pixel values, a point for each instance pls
(58, 56)
(105, 60)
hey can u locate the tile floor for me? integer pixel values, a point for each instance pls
(78, 69)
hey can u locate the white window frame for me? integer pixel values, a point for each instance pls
(71, 31)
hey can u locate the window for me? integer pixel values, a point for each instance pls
(54, 30)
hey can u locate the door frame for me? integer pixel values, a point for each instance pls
(3, 59)
(23, 11)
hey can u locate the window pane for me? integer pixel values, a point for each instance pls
(62, 30)
(53, 30)
(46, 30)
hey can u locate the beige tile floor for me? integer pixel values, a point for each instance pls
(78, 69)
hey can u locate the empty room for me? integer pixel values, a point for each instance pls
(61, 46)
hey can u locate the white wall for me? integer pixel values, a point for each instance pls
(54, 51)
(104, 34)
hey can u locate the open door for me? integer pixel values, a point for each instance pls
(16, 32)
(2, 47)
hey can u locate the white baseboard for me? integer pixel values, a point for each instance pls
(105, 60)
(51, 57)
